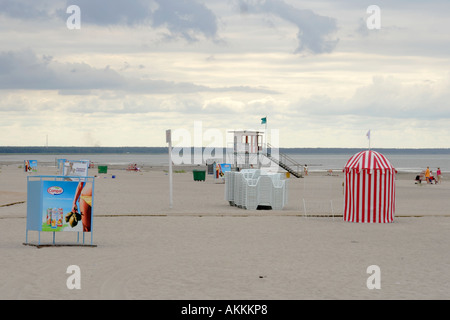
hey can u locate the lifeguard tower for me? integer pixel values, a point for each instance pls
(249, 147)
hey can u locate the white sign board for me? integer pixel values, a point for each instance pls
(76, 168)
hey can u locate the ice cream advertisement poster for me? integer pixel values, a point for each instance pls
(61, 206)
(30, 165)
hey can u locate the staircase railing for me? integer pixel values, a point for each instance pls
(284, 161)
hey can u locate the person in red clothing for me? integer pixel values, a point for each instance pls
(438, 174)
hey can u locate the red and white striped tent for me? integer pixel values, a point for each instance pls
(369, 189)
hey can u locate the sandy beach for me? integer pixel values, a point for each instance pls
(203, 248)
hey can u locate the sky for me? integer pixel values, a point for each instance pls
(323, 72)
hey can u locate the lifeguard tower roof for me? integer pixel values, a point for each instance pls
(246, 131)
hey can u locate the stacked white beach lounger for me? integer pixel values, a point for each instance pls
(251, 188)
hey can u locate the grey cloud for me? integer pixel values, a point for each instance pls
(385, 97)
(362, 29)
(25, 70)
(399, 100)
(66, 92)
(314, 31)
(185, 18)
(111, 12)
(167, 87)
(23, 9)
(182, 18)
(183, 104)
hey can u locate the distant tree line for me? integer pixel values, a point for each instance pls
(356, 150)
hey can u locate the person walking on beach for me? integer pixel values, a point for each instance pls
(438, 174)
(427, 174)
(305, 169)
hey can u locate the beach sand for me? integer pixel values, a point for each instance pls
(203, 248)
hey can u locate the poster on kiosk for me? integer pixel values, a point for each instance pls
(76, 168)
(60, 205)
(66, 206)
(30, 165)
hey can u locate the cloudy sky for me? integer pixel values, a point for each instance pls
(135, 68)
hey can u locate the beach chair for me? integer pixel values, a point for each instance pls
(279, 198)
(229, 187)
(252, 188)
(238, 190)
(265, 191)
(251, 200)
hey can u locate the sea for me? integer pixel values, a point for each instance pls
(316, 162)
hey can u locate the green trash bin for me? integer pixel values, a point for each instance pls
(199, 175)
(102, 169)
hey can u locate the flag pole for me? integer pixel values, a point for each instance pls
(264, 121)
(265, 130)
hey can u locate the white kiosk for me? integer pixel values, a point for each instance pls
(247, 148)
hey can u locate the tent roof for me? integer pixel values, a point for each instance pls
(370, 160)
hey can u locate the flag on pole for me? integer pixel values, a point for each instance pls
(264, 120)
(368, 134)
